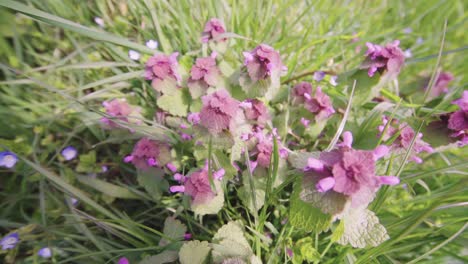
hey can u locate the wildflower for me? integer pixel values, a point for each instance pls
(389, 58)
(194, 118)
(305, 122)
(219, 109)
(187, 236)
(407, 53)
(350, 172)
(197, 186)
(104, 168)
(441, 84)
(134, 55)
(45, 252)
(99, 21)
(407, 30)
(10, 241)
(8, 159)
(333, 80)
(405, 138)
(69, 153)
(319, 75)
(123, 260)
(149, 153)
(302, 92)
(320, 104)
(171, 167)
(204, 74)
(161, 67)
(458, 120)
(152, 44)
(121, 110)
(256, 110)
(263, 62)
(213, 28)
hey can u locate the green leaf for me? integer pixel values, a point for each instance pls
(173, 229)
(107, 188)
(230, 242)
(153, 182)
(306, 216)
(245, 196)
(87, 162)
(168, 256)
(362, 229)
(304, 251)
(194, 252)
(175, 103)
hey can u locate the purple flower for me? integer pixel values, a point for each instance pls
(9, 241)
(350, 172)
(204, 74)
(406, 136)
(319, 75)
(458, 120)
(441, 84)
(389, 58)
(8, 159)
(149, 153)
(255, 110)
(213, 28)
(187, 236)
(463, 101)
(162, 67)
(305, 122)
(45, 252)
(320, 104)
(197, 186)
(302, 92)
(334, 80)
(194, 118)
(121, 110)
(219, 109)
(263, 62)
(123, 260)
(69, 153)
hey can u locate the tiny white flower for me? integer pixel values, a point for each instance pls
(152, 44)
(333, 80)
(134, 55)
(408, 53)
(99, 21)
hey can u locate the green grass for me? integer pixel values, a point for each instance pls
(57, 66)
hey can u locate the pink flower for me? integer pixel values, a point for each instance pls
(320, 104)
(350, 172)
(389, 58)
(194, 118)
(213, 28)
(123, 261)
(149, 153)
(463, 101)
(256, 111)
(458, 120)
(263, 62)
(406, 136)
(197, 186)
(441, 84)
(121, 110)
(219, 109)
(204, 74)
(162, 67)
(302, 92)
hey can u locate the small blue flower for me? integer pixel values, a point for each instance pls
(9, 241)
(319, 75)
(45, 252)
(8, 159)
(69, 153)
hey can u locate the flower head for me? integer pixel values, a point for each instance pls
(441, 84)
(319, 75)
(302, 92)
(389, 58)
(10, 241)
(149, 153)
(204, 74)
(197, 186)
(263, 62)
(121, 110)
(463, 101)
(134, 55)
(123, 260)
(8, 159)
(320, 104)
(152, 44)
(99, 21)
(219, 109)
(45, 252)
(255, 110)
(162, 67)
(350, 172)
(69, 153)
(458, 120)
(213, 28)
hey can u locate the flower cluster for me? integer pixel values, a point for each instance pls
(318, 103)
(213, 28)
(149, 153)
(389, 58)
(160, 68)
(218, 112)
(350, 172)
(440, 84)
(119, 109)
(263, 62)
(204, 74)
